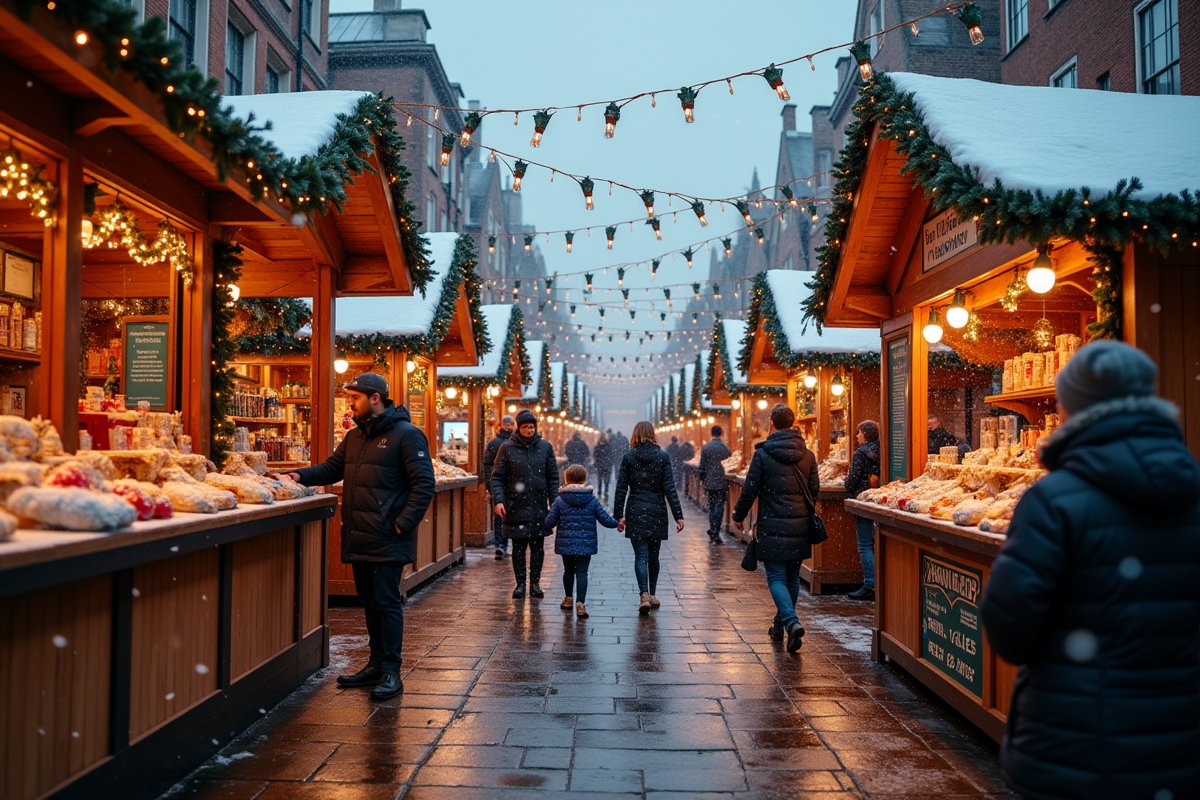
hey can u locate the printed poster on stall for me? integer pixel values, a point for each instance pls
(951, 633)
(146, 364)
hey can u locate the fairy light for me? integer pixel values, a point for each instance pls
(612, 114)
(657, 226)
(648, 199)
(744, 209)
(518, 174)
(972, 19)
(687, 100)
(541, 119)
(470, 125)
(587, 185)
(491, 245)
(688, 254)
(774, 77)
(609, 234)
(447, 148)
(698, 207)
(861, 51)
(570, 237)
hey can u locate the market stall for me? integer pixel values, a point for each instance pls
(538, 394)
(709, 414)
(953, 228)
(470, 404)
(832, 380)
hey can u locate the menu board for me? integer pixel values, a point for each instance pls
(146, 364)
(898, 375)
(951, 634)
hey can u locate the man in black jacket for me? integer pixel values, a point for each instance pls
(675, 453)
(938, 436)
(577, 451)
(712, 474)
(781, 469)
(1096, 595)
(507, 426)
(524, 483)
(388, 486)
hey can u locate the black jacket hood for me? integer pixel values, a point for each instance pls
(786, 447)
(1132, 448)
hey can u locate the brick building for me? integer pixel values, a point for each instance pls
(1118, 45)
(789, 233)
(250, 46)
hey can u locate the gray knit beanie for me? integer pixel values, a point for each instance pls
(1105, 370)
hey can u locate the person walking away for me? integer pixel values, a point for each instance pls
(781, 468)
(576, 450)
(524, 479)
(1096, 595)
(388, 484)
(712, 476)
(620, 448)
(675, 454)
(645, 487)
(575, 513)
(507, 426)
(863, 475)
(602, 460)
(939, 437)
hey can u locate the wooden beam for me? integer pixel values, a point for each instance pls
(870, 300)
(323, 379)
(89, 117)
(61, 300)
(879, 151)
(910, 233)
(196, 358)
(227, 208)
(389, 229)
(320, 236)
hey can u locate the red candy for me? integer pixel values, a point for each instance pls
(163, 508)
(144, 504)
(67, 476)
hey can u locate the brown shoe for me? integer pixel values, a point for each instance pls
(565, 605)
(654, 602)
(644, 604)
(581, 611)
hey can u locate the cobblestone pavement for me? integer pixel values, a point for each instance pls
(519, 699)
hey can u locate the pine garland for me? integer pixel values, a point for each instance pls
(1104, 224)
(696, 385)
(226, 271)
(545, 392)
(719, 351)
(514, 337)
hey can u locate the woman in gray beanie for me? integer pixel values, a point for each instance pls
(1096, 595)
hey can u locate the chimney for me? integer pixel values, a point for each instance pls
(788, 114)
(383, 6)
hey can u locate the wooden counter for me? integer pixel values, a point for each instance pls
(127, 659)
(929, 577)
(439, 539)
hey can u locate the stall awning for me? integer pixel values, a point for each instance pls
(506, 362)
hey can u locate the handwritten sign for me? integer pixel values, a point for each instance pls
(898, 409)
(147, 356)
(951, 634)
(945, 237)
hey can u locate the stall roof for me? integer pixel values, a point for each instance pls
(401, 316)
(557, 371)
(536, 351)
(506, 331)
(301, 122)
(734, 331)
(705, 400)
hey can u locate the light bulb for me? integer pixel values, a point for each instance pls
(736, 404)
(451, 392)
(512, 409)
(837, 386)
(762, 405)
(958, 315)
(933, 328)
(711, 420)
(340, 365)
(86, 228)
(810, 380)
(234, 292)
(410, 366)
(1040, 278)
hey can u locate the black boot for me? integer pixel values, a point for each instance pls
(367, 676)
(795, 637)
(535, 590)
(388, 687)
(519, 592)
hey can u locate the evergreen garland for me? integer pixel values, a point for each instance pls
(1103, 224)
(696, 385)
(226, 271)
(514, 337)
(545, 392)
(268, 325)
(720, 351)
(564, 400)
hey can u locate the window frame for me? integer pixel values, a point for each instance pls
(1071, 65)
(876, 41)
(1139, 45)
(234, 34)
(185, 36)
(1011, 43)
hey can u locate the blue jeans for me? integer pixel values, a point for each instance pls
(377, 584)
(575, 569)
(866, 549)
(783, 581)
(645, 563)
(716, 509)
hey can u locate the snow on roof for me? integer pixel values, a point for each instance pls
(706, 364)
(735, 331)
(399, 316)
(788, 290)
(301, 121)
(689, 372)
(556, 375)
(535, 352)
(1040, 137)
(496, 319)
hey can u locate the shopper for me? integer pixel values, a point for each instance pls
(712, 476)
(507, 426)
(524, 479)
(387, 487)
(687, 451)
(864, 474)
(938, 436)
(575, 513)
(602, 455)
(576, 450)
(780, 470)
(675, 454)
(1096, 595)
(645, 487)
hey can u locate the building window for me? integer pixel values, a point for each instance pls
(1067, 76)
(876, 24)
(272, 81)
(824, 166)
(1158, 47)
(181, 27)
(1018, 22)
(431, 148)
(235, 59)
(431, 213)
(1104, 83)
(788, 264)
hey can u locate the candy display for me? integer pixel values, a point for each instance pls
(833, 472)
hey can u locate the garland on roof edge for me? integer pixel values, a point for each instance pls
(545, 392)
(718, 350)
(695, 393)
(514, 337)
(1103, 224)
(226, 271)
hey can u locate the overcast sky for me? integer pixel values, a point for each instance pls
(564, 52)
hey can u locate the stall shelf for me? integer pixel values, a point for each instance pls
(944, 205)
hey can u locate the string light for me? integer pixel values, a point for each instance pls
(861, 51)
(657, 227)
(491, 245)
(518, 175)
(612, 114)
(687, 99)
(774, 77)
(570, 237)
(587, 185)
(528, 243)
(698, 207)
(728, 244)
(758, 232)
(609, 233)
(541, 119)
(688, 255)
(23, 181)
(972, 18)
(470, 125)
(744, 209)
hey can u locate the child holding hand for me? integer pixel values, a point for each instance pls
(575, 513)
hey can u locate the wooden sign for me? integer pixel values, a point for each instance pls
(944, 237)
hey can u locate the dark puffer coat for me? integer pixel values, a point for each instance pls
(388, 486)
(602, 457)
(711, 470)
(525, 480)
(646, 475)
(1096, 594)
(576, 451)
(489, 455)
(575, 513)
(776, 470)
(863, 466)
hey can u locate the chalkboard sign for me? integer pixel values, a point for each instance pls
(898, 378)
(951, 634)
(146, 363)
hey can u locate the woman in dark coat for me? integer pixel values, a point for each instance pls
(524, 482)
(863, 474)
(645, 476)
(602, 459)
(1096, 595)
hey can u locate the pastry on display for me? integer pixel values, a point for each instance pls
(833, 471)
(141, 465)
(248, 490)
(72, 509)
(8, 526)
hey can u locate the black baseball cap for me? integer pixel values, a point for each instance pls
(369, 383)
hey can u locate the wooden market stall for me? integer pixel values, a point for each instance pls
(952, 226)
(410, 338)
(471, 402)
(832, 379)
(710, 414)
(538, 394)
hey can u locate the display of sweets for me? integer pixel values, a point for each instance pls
(285, 448)
(1038, 370)
(5, 319)
(16, 327)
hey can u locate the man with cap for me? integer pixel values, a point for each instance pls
(507, 426)
(1096, 595)
(524, 483)
(388, 485)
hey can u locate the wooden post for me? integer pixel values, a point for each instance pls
(919, 393)
(323, 379)
(62, 302)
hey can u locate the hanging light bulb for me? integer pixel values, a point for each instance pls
(728, 244)
(810, 380)
(759, 233)
(735, 404)
(1040, 277)
(698, 207)
(862, 54)
(410, 366)
(528, 243)
(612, 113)
(451, 392)
(762, 405)
(587, 277)
(717, 291)
(812, 212)
(744, 209)
(470, 125)
(540, 120)
(957, 314)
(837, 385)
(234, 292)
(654, 268)
(687, 99)
(774, 76)
(491, 245)
(587, 185)
(657, 227)
(688, 255)
(696, 290)
(340, 365)
(789, 195)
(933, 328)
(447, 148)
(512, 409)
(570, 237)
(518, 174)
(609, 233)
(86, 229)
(972, 18)
(648, 199)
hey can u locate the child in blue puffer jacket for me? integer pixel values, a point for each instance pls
(575, 513)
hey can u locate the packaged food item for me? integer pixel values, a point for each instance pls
(5, 318)
(16, 327)
(30, 339)
(1038, 370)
